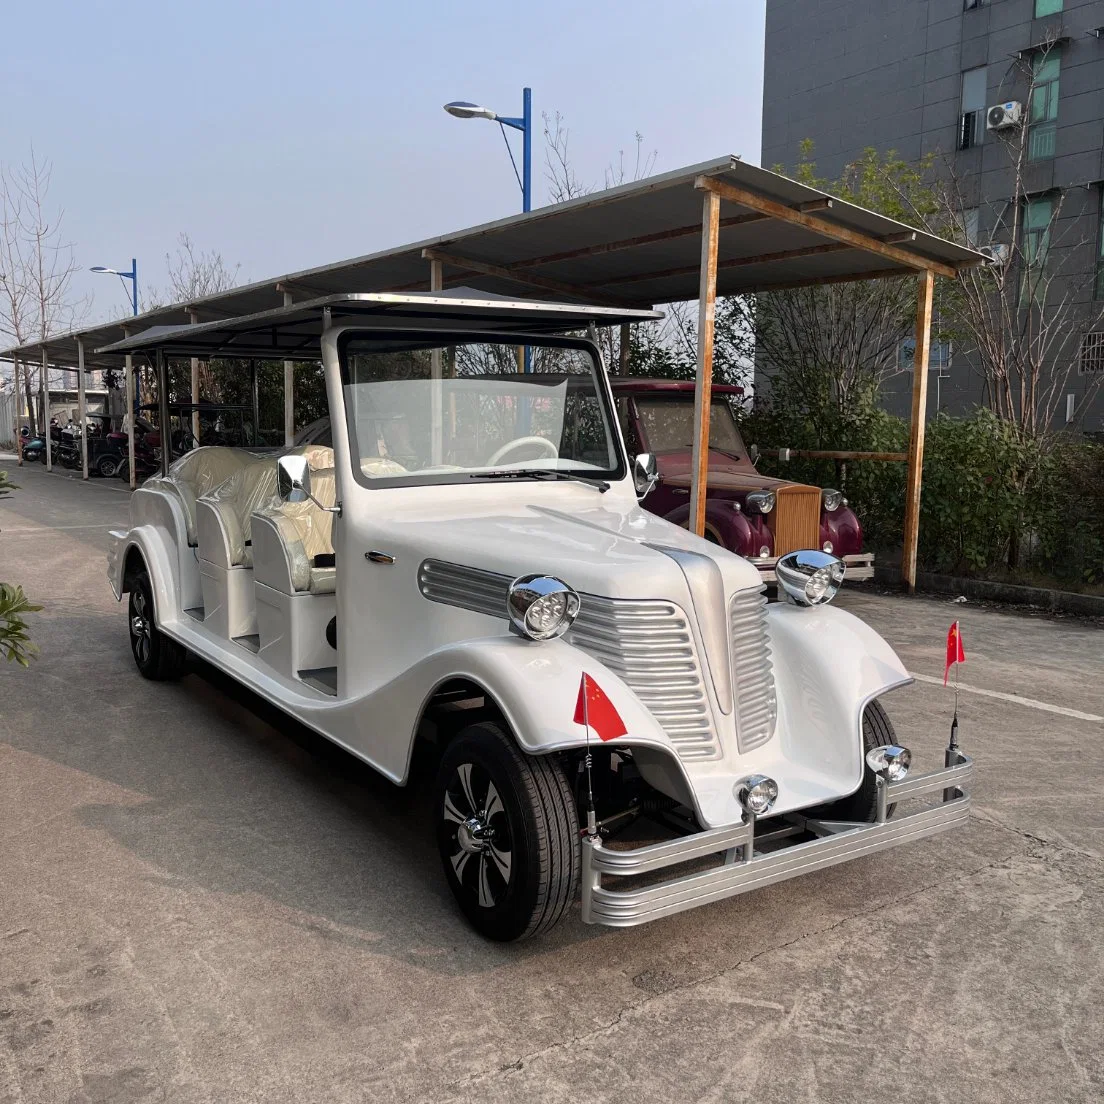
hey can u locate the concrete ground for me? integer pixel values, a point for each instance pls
(198, 904)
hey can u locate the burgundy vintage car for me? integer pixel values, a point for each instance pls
(753, 515)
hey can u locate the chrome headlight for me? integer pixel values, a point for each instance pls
(890, 761)
(759, 502)
(831, 500)
(541, 607)
(809, 577)
(757, 794)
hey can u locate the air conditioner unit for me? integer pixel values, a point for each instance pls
(997, 254)
(1001, 116)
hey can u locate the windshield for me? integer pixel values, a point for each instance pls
(422, 411)
(668, 424)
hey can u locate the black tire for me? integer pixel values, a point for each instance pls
(155, 655)
(508, 833)
(122, 470)
(106, 466)
(862, 805)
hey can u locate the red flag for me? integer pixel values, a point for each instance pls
(596, 711)
(955, 654)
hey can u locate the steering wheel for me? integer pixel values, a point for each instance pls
(543, 443)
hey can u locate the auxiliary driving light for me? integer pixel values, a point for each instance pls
(541, 607)
(891, 762)
(809, 577)
(757, 794)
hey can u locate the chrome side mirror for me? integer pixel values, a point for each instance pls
(293, 482)
(645, 473)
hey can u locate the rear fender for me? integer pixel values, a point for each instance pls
(148, 543)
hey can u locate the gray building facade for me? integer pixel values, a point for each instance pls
(920, 77)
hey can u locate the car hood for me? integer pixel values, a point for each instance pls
(725, 473)
(613, 550)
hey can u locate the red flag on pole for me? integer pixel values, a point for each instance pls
(594, 709)
(955, 654)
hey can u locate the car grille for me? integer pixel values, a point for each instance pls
(651, 646)
(752, 672)
(796, 519)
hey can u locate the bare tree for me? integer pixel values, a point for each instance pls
(36, 265)
(194, 273)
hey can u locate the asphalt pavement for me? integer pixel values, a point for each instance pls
(199, 902)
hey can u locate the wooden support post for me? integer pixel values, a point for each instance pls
(289, 390)
(46, 410)
(703, 390)
(916, 429)
(193, 318)
(82, 409)
(623, 349)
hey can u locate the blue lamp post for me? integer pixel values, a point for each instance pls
(461, 109)
(132, 275)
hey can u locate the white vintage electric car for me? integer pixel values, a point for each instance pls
(461, 560)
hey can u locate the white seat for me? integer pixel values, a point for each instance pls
(295, 578)
(196, 473)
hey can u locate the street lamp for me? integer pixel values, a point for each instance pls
(461, 109)
(132, 275)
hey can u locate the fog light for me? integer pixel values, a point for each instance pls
(891, 762)
(764, 552)
(829, 547)
(757, 794)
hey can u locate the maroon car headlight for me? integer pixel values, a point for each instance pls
(759, 502)
(831, 500)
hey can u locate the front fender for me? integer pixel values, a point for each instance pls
(729, 527)
(828, 665)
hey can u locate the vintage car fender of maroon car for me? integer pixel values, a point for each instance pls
(753, 515)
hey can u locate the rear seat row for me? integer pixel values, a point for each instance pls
(221, 490)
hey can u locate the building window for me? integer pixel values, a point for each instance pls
(1091, 361)
(939, 355)
(970, 221)
(971, 126)
(1047, 7)
(1036, 244)
(1099, 288)
(1043, 109)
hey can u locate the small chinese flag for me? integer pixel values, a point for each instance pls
(955, 654)
(596, 711)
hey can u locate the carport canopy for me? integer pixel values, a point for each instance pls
(721, 227)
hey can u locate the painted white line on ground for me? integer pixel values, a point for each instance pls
(9, 529)
(1014, 698)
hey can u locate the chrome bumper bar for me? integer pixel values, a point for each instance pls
(744, 869)
(860, 566)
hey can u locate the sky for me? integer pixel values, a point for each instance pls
(287, 135)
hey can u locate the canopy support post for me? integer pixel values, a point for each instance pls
(46, 410)
(82, 408)
(436, 284)
(193, 318)
(623, 350)
(18, 412)
(255, 392)
(703, 389)
(916, 429)
(163, 412)
(132, 414)
(289, 390)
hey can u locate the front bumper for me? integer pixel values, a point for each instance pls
(744, 868)
(859, 567)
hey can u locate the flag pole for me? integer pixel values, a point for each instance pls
(951, 757)
(592, 822)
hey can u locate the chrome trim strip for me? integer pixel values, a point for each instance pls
(839, 843)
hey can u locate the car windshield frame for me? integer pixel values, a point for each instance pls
(441, 338)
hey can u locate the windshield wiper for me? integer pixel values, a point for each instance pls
(541, 473)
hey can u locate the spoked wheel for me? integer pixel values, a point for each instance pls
(155, 655)
(508, 834)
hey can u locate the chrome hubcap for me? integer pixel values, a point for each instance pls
(475, 833)
(139, 626)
